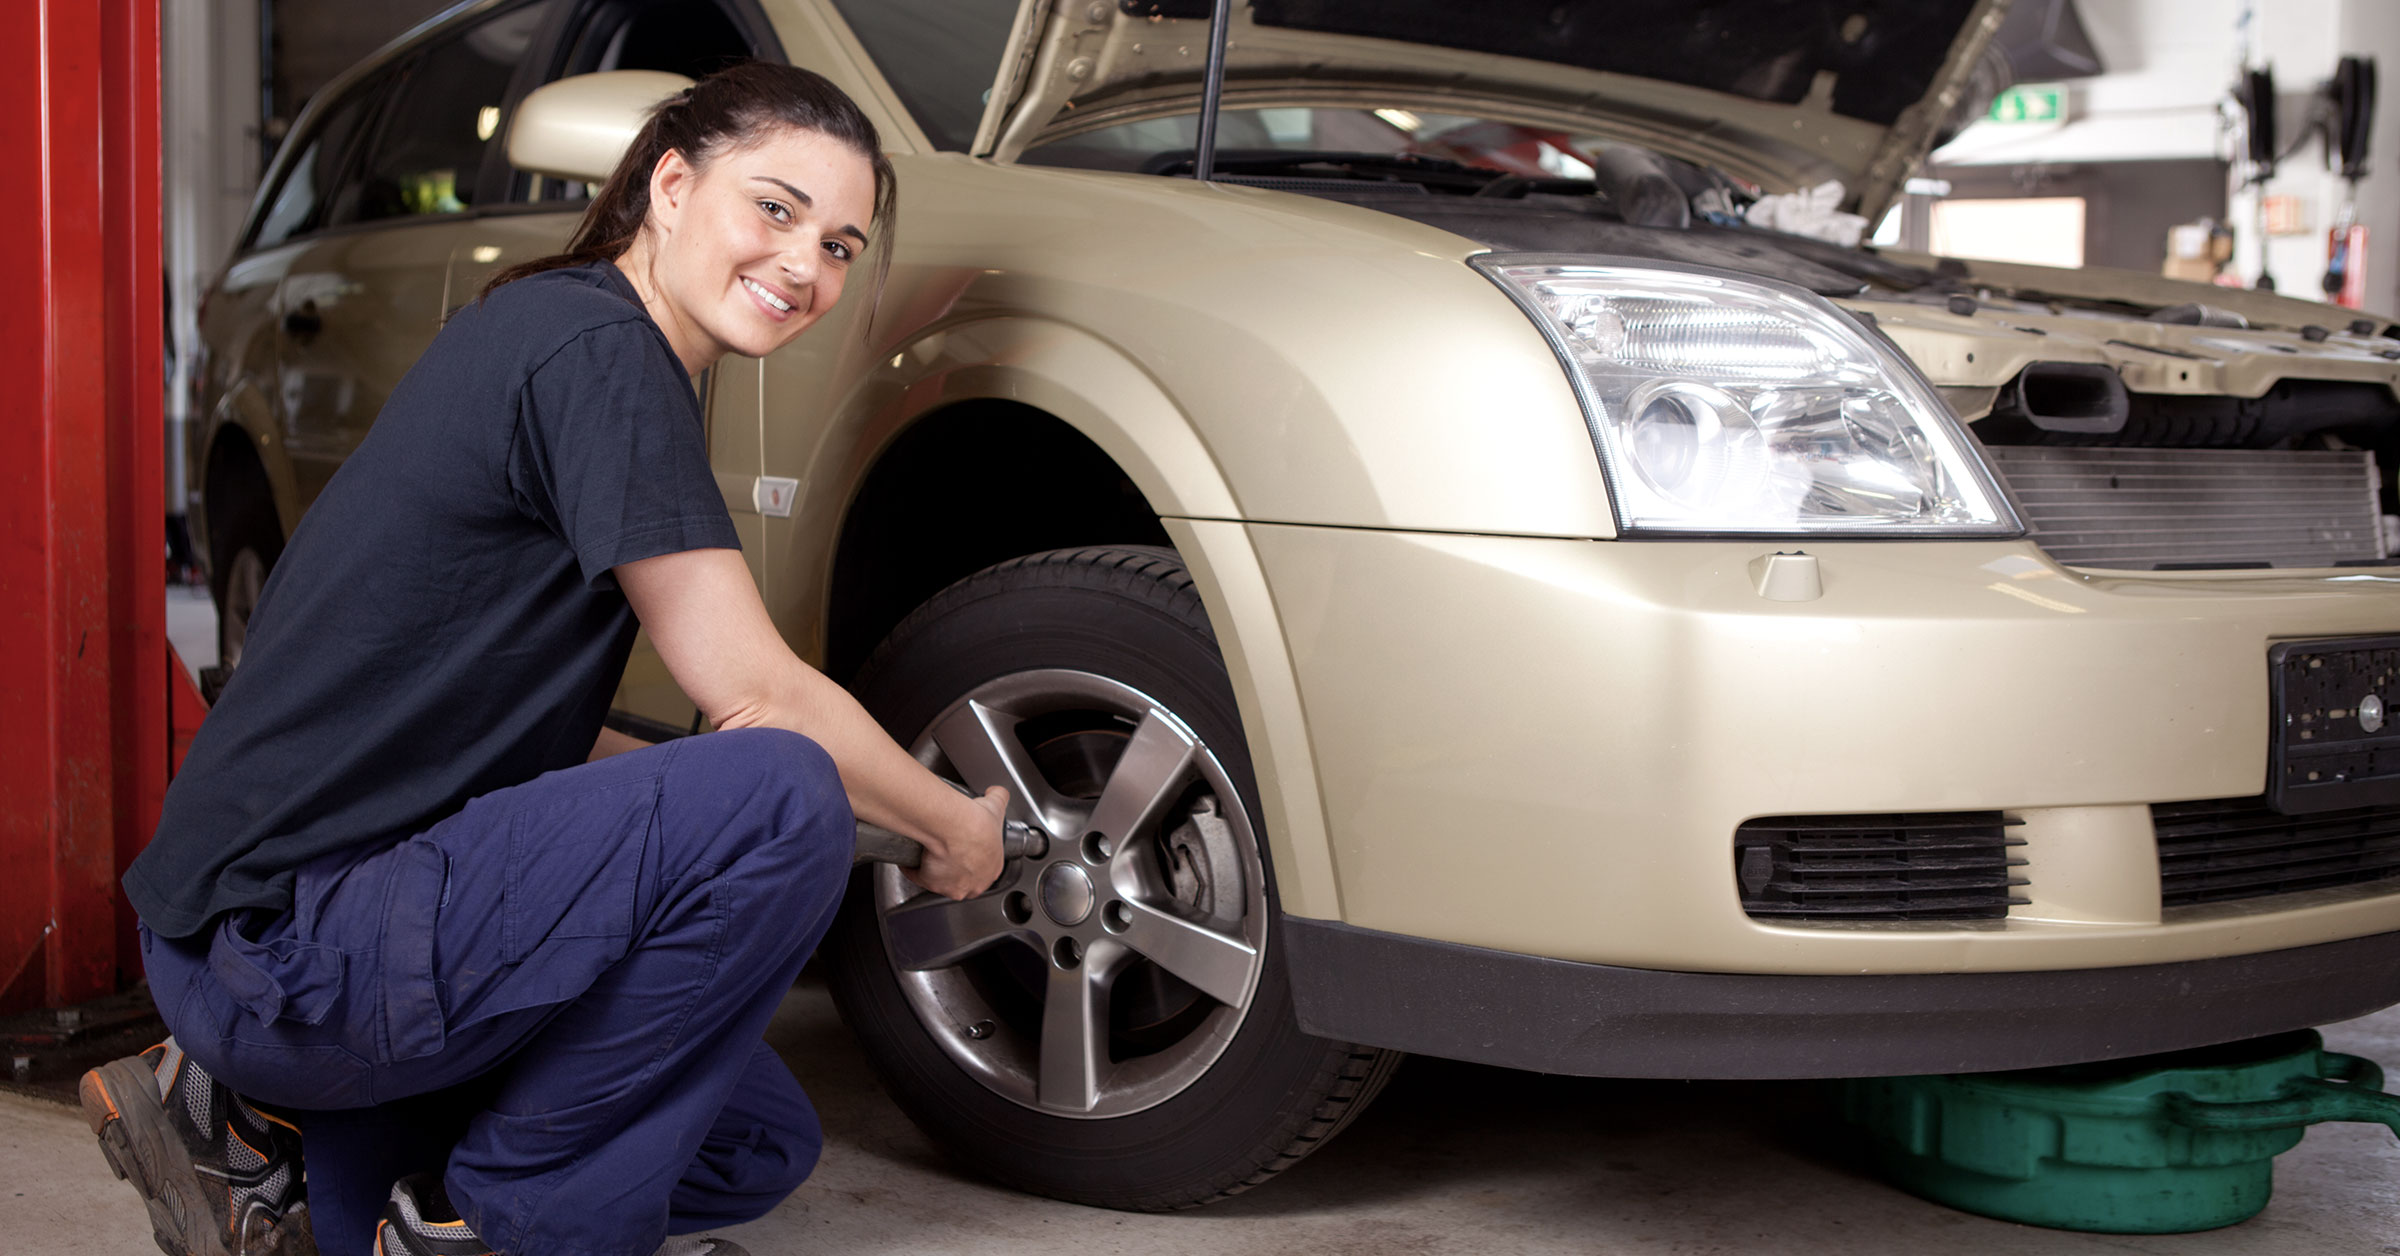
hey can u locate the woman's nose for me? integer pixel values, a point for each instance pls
(800, 265)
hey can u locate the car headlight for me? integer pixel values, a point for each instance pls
(1723, 404)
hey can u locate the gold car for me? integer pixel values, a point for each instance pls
(1448, 583)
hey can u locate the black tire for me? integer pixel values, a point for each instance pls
(244, 541)
(1271, 1094)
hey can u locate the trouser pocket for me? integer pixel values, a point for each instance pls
(564, 908)
(262, 1011)
(414, 894)
(272, 976)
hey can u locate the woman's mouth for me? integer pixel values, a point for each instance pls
(766, 296)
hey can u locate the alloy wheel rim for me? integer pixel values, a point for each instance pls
(1143, 925)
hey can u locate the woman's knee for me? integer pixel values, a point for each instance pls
(759, 761)
(741, 1174)
(760, 788)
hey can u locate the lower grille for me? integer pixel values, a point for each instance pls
(2148, 508)
(1926, 866)
(2229, 849)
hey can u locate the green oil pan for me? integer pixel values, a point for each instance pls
(2163, 1144)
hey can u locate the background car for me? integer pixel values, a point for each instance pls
(1449, 584)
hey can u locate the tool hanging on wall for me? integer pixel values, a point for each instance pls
(2256, 96)
(2341, 115)
(2348, 123)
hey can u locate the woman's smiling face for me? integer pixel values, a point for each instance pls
(746, 251)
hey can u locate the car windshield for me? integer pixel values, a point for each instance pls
(1309, 135)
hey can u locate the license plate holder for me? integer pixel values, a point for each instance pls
(2336, 736)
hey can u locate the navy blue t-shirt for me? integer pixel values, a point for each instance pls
(444, 622)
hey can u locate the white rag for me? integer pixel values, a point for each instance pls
(1814, 213)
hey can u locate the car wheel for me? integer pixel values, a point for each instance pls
(1111, 1023)
(245, 543)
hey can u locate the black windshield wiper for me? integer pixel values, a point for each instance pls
(1329, 164)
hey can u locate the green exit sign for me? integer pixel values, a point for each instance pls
(2030, 104)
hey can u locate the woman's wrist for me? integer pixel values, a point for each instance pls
(958, 820)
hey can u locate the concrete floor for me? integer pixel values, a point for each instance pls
(1452, 1159)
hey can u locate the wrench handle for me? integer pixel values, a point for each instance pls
(877, 844)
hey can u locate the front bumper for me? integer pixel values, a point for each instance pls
(1544, 746)
(1595, 1020)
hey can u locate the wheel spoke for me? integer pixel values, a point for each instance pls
(1074, 1038)
(1145, 778)
(981, 743)
(1216, 964)
(934, 932)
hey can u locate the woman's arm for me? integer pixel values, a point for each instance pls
(703, 612)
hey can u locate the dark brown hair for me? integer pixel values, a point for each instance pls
(734, 107)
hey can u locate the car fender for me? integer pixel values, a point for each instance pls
(1083, 381)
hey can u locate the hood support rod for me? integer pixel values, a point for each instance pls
(1212, 92)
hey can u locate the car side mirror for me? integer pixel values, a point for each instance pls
(579, 127)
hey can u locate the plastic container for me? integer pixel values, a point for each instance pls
(2162, 1144)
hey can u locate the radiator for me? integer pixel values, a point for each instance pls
(2152, 508)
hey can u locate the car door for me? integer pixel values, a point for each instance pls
(365, 296)
(242, 318)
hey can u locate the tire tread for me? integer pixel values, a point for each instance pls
(1145, 573)
(1361, 1074)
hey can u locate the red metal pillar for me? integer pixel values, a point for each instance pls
(83, 700)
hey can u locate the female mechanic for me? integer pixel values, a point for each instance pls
(512, 997)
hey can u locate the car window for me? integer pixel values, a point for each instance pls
(299, 200)
(940, 57)
(442, 113)
(693, 40)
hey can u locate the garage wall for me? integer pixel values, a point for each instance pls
(2373, 27)
(2171, 65)
(2168, 62)
(209, 163)
(2128, 204)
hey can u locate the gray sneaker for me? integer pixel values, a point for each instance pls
(420, 1221)
(699, 1245)
(220, 1177)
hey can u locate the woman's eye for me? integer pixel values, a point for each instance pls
(776, 211)
(840, 250)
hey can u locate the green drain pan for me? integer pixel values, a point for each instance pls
(2163, 1144)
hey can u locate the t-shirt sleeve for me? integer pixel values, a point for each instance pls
(610, 453)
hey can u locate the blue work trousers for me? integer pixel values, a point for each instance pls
(556, 995)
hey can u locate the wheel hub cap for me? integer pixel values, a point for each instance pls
(1067, 894)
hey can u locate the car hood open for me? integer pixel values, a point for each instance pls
(1784, 93)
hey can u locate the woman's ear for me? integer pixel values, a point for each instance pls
(670, 186)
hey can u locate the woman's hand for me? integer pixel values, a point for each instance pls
(964, 858)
